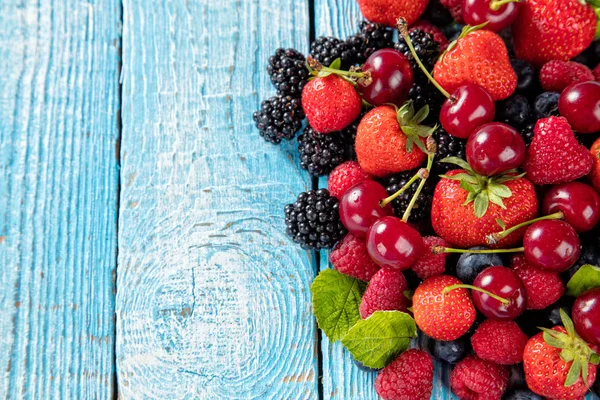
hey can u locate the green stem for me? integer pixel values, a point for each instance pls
(496, 237)
(441, 249)
(478, 289)
(406, 214)
(341, 72)
(496, 4)
(388, 200)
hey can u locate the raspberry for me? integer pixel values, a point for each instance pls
(477, 379)
(344, 176)
(501, 342)
(542, 288)
(433, 30)
(556, 75)
(455, 8)
(384, 293)
(410, 376)
(351, 257)
(431, 264)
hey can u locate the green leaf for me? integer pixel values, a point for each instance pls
(409, 144)
(323, 74)
(336, 300)
(457, 161)
(468, 187)
(567, 322)
(409, 129)
(470, 198)
(408, 294)
(481, 204)
(500, 190)
(595, 359)
(586, 278)
(507, 178)
(375, 341)
(336, 64)
(501, 223)
(574, 373)
(584, 373)
(421, 115)
(497, 200)
(420, 145)
(459, 177)
(552, 341)
(597, 11)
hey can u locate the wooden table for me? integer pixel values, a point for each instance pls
(142, 245)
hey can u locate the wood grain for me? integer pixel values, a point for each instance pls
(213, 299)
(59, 108)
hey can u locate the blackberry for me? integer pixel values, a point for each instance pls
(375, 37)
(437, 14)
(447, 146)
(319, 153)
(288, 72)
(313, 221)
(422, 93)
(279, 117)
(527, 134)
(422, 209)
(527, 80)
(515, 111)
(349, 137)
(326, 49)
(426, 48)
(546, 105)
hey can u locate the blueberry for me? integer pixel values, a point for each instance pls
(515, 111)
(362, 367)
(521, 394)
(469, 265)
(546, 105)
(526, 76)
(412, 279)
(453, 31)
(450, 352)
(517, 377)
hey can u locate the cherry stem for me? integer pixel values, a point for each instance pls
(442, 249)
(403, 189)
(423, 174)
(496, 4)
(478, 289)
(402, 27)
(496, 237)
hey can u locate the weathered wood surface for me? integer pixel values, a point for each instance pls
(213, 299)
(59, 111)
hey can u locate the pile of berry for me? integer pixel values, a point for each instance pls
(461, 140)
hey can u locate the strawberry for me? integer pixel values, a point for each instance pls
(477, 379)
(344, 176)
(464, 199)
(443, 315)
(553, 30)
(386, 12)
(455, 8)
(558, 363)
(351, 257)
(385, 293)
(431, 264)
(542, 288)
(409, 376)
(390, 140)
(554, 155)
(556, 75)
(434, 31)
(595, 173)
(501, 342)
(480, 57)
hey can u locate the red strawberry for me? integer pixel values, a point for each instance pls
(477, 379)
(409, 376)
(478, 57)
(387, 12)
(351, 257)
(384, 145)
(385, 292)
(546, 371)
(595, 173)
(554, 155)
(553, 30)
(455, 8)
(434, 31)
(344, 176)
(441, 315)
(556, 75)
(330, 103)
(501, 342)
(450, 215)
(431, 264)
(542, 288)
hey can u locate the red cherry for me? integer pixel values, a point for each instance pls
(359, 207)
(393, 243)
(494, 148)
(579, 103)
(579, 203)
(392, 78)
(469, 107)
(476, 12)
(586, 316)
(551, 245)
(502, 282)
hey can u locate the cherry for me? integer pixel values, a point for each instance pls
(495, 148)
(359, 207)
(393, 243)
(551, 245)
(499, 14)
(391, 78)
(579, 203)
(502, 282)
(586, 316)
(579, 103)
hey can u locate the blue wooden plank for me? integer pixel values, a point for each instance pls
(59, 109)
(213, 299)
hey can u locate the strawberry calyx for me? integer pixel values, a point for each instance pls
(354, 75)
(482, 189)
(410, 124)
(465, 32)
(573, 349)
